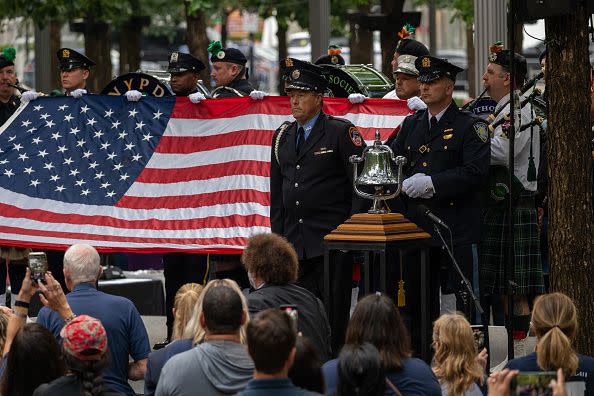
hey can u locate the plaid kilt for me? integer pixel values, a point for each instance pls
(493, 252)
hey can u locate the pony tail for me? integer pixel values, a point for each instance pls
(555, 351)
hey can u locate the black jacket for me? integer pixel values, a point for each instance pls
(311, 193)
(242, 86)
(7, 109)
(456, 154)
(312, 320)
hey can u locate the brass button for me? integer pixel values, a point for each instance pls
(451, 204)
(296, 185)
(424, 164)
(428, 149)
(300, 221)
(297, 203)
(298, 166)
(445, 147)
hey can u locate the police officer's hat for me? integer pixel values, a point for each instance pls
(333, 57)
(69, 59)
(180, 62)
(406, 65)
(302, 75)
(502, 57)
(220, 54)
(431, 69)
(7, 57)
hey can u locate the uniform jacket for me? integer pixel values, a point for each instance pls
(7, 109)
(311, 192)
(455, 153)
(242, 86)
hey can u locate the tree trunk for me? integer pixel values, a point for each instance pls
(55, 43)
(361, 41)
(471, 71)
(387, 37)
(197, 41)
(281, 36)
(97, 48)
(571, 229)
(130, 46)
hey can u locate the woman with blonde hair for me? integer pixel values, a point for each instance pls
(185, 301)
(555, 324)
(455, 362)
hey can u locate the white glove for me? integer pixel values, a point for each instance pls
(28, 96)
(133, 95)
(258, 95)
(356, 98)
(196, 97)
(418, 185)
(415, 103)
(78, 93)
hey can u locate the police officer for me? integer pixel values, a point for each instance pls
(447, 154)
(75, 69)
(9, 101)
(311, 185)
(228, 72)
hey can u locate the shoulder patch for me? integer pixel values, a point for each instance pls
(355, 137)
(482, 131)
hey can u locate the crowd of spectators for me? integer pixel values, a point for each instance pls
(228, 341)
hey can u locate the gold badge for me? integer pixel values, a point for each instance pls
(65, 53)
(448, 136)
(426, 62)
(334, 60)
(295, 74)
(173, 58)
(492, 57)
(221, 54)
(288, 62)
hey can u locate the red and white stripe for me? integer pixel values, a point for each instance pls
(206, 187)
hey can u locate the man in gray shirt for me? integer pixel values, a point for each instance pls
(219, 366)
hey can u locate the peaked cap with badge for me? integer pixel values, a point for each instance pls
(180, 62)
(70, 59)
(500, 56)
(332, 58)
(302, 75)
(431, 68)
(230, 55)
(406, 65)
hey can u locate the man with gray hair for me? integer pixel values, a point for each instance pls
(126, 334)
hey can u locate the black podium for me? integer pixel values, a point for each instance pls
(379, 234)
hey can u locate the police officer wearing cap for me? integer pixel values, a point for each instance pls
(311, 185)
(183, 69)
(228, 72)
(447, 152)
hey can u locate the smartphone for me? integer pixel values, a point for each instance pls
(291, 310)
(38, 266)
(532, 383)
(479, 336)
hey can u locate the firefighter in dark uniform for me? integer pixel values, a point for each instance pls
(228, 72)
(311, 186)
(447, 152)
(181, 268)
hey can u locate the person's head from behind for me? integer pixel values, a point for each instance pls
(271, 342)
(376, 320)
(454, 361)
(86, 351)
(186, 299)
(222, 312)
(195, 330)
(270, 259)
(81, 265)
(554, 321)
(360, 371)
(306, 371)
(35, 358)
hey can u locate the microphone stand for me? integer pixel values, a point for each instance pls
(469, 290)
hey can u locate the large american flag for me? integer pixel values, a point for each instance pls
(162, 174)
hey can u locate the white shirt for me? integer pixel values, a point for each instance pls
(500, 144)
(391, 95)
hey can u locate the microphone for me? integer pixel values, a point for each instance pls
(425, 211)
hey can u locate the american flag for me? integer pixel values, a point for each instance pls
(161, 174)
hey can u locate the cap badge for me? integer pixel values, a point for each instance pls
(174, 56)
(65, 53)
(289, 62)
(221, 54)
(492, 57)
(426, 62)
(295, 74)
(334, 60)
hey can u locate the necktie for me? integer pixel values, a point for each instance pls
(433, 122)
(300, 139)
